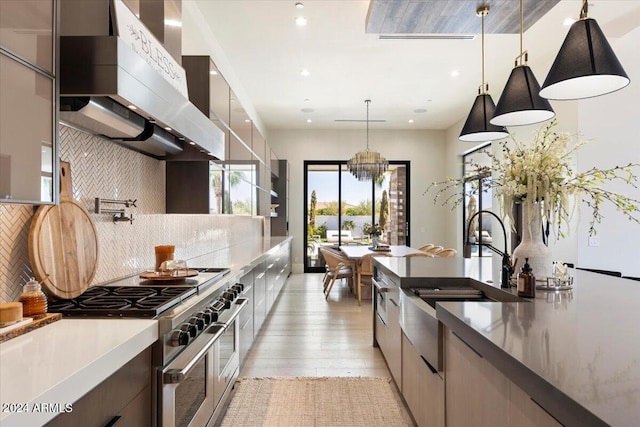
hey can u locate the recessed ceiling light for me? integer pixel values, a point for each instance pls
(299, 5)
(247, 121)
(167, 128)
(192, 143)
(152, 121)
(307, 110)
(304, 72)
(132, 107)
(420, 110)
(308, 120)
(213, 72)
(410, 120)
(455, 73)
(301, 21)
(568, 21)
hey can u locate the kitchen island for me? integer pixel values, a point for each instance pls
(573, 353)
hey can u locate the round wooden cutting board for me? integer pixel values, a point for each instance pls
(63, 243)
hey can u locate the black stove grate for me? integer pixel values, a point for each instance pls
(123, 301)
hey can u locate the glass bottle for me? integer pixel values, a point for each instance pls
(526, 281)
(34, 301)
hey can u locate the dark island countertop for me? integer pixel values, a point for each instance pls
(576, 352)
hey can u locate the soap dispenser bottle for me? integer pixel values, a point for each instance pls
(526, 281)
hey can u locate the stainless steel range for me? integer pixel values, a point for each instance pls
(197, 355)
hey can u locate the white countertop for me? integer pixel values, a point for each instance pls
(62, 361)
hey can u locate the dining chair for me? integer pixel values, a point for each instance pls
(434, 250)
(447, 253)
(338, 267)
(420, 254)
(365, 270)
(425, 248)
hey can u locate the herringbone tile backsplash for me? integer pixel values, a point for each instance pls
(102, 169)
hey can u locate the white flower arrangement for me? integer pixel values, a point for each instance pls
(540, 176)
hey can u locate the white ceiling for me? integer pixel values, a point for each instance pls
(267, 51)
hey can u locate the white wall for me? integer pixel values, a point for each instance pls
(611, 121)
(425, 150)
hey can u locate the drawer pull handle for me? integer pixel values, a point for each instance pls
(431, 368)
(113, 421)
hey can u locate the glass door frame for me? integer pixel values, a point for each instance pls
(339, 165)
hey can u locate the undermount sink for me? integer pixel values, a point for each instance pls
(460, 289)
(418, 314)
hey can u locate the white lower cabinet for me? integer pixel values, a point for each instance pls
(478, 394)
(422, 389)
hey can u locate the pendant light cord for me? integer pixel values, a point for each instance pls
(484, 12)
(521, 26)
(367, 101)
(584, 12)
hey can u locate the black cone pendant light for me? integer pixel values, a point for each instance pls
(586, 65)
(477, 127)
(520, 102)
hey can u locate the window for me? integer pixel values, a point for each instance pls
(338, 207)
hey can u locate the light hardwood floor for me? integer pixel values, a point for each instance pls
(306, 335)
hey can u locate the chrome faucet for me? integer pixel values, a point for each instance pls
(507, 268)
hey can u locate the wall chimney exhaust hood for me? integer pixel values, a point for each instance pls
(110, 90)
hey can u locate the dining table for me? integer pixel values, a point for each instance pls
(355, 253)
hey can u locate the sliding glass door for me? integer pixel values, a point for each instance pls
(338, 208)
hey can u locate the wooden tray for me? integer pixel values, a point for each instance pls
(38, 322)
(162, 277)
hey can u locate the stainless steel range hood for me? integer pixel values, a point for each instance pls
(108, 89)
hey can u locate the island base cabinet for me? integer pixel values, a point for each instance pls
(123, 399)
(422, 389)
(524, 412)
(388, 337)
(477, 394)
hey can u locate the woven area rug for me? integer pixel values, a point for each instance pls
(299, 402)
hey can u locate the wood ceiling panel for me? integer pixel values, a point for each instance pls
(451, 16)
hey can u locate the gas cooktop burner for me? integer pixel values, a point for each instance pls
(123, 301)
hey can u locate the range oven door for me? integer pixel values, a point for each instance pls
(227, 360)
(186, 385)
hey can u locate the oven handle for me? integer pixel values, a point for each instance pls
(178, 370)
(379, 286)
(240, 304)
